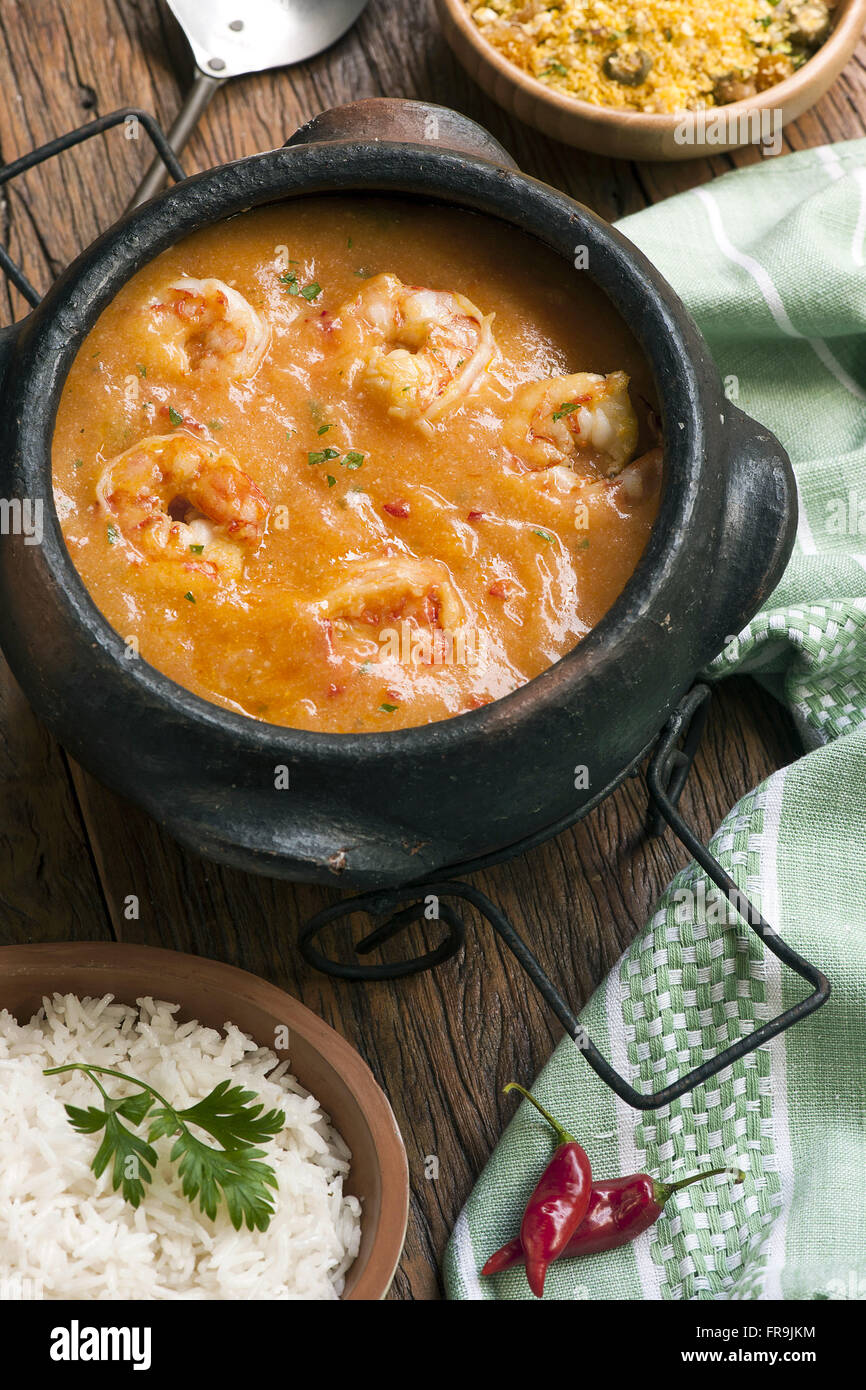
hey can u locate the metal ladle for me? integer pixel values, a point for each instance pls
(229, 38)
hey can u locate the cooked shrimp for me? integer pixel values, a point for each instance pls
(422, 350)
(176, 498)
(379, 590)
(206, 327)
(635, 484)
(573, 419)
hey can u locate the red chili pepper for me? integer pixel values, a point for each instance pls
(558, 1204)
(619, 1210)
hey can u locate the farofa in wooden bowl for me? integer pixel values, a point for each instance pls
(604, 75)
(658, 56)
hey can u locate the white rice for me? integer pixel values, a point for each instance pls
(65, 1234)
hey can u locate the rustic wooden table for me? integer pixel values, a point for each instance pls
(72, 856)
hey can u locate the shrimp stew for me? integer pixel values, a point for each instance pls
(355, 464)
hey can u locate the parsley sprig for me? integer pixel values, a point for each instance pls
(232, 1172)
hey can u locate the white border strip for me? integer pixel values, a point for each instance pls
(775, 1247)
(831, 161)
(650, 1274)
(461, 1240)
(771, 296)
(860, 229)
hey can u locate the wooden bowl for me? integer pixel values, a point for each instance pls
(632, 134)
(323, 1062)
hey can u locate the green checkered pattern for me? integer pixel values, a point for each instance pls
(770, 261)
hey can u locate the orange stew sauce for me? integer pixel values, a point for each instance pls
(355, 464)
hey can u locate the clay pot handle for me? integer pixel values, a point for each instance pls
(412, 122)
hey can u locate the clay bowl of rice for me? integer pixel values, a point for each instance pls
(655, 79)
(184, 1025)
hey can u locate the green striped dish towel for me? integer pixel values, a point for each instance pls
(770, 260)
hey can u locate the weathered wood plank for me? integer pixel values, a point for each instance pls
(49, 889)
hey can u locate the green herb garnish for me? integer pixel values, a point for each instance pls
(197, 550)
(323, 429)
(545, 535)
(331, 479)
(350, 460)
(112, 533)
(387, 709)
(232, 1172)
(311, 291)
(174, 417)
(190, 596)
(565, 409)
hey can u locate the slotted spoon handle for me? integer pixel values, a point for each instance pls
(198, 98)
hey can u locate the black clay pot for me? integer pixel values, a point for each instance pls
(385, 809)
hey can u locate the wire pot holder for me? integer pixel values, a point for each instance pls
(666, 777)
